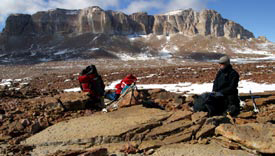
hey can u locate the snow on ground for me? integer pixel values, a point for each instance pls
(45, 59)
(61, 52)
(136, 36)
(189, 88)
(142, 56)
(251, 51)
(253, 60)
(165, 53)
(94, 49)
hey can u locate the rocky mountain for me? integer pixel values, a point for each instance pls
(95, 20)
(92, 32)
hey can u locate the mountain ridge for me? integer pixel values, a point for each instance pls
(61, 34)
(96, 20)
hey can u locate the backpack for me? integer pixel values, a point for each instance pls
(90, 81)
(208, 103)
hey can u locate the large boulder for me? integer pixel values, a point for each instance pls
(212, 149)
(124, 124)
(260, 137)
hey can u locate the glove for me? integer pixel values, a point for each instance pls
(212, 94)
(218, 94)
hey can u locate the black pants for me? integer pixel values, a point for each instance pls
(223, 105)
(232, 103)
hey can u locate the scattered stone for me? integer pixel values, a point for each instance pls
(266, 116)
(129, 149)
(203, 141)
(246, 115)
(25, 122)
(35, 127)
(2, 116)
(15, 126)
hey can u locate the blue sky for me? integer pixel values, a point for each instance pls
(255, 15)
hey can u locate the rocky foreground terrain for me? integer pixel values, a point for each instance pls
(33, 122)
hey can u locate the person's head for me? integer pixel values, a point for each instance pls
(224, 62)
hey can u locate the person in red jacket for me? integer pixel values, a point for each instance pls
(91, 82)
(122, 87)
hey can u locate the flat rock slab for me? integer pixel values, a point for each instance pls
(212, 149)
(100, 127)
(260, 137)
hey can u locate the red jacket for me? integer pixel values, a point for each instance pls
(127, 81)
(92, 84)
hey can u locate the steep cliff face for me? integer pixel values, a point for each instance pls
(96, 20)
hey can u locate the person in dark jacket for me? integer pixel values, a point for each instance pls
(225, 86)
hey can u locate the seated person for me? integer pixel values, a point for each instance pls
(91, 82)
(224, 97)
(225, 85)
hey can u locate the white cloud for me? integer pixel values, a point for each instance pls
(143, 5)
(32, 6)
(164, 5)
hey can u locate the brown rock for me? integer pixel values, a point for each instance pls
(129, 149)
(128, 100)
(169, 128)
(184, 149)
(253, 135)
(246, 115)
(15, 126)
(146, 145)
(206, 131)
(155, 91)
(96, 152)
(183, 136)
(244, 121)
(266, 116)
(217, 120)
(199, 117)
(35, 127)
(179, 115)
(25, 122)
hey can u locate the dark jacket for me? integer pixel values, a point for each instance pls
(226, 81)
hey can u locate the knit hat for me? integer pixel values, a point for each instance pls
(224, 60)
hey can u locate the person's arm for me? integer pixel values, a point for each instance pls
(215, 83)
(234, 77)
